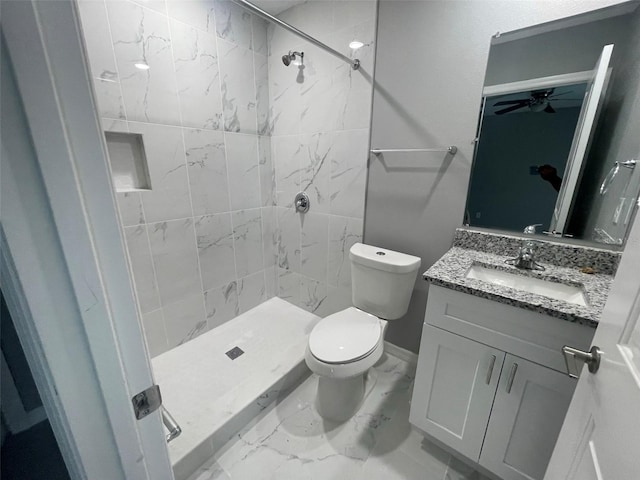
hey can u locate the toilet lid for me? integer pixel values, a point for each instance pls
(345, 336)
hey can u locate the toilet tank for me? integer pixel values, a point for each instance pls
(382, 280)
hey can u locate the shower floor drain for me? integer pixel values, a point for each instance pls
(234, 353)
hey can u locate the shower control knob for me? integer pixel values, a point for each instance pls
(302, 202)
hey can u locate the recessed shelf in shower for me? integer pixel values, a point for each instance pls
(129, 167)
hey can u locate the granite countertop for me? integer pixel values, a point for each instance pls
(451, 270)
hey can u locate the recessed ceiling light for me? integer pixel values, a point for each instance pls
(141, 66)
(356, 44)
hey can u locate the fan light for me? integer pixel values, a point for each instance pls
(141, 66)
(539, 105)
(356, 44)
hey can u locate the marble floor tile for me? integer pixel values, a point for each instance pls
(289, 440)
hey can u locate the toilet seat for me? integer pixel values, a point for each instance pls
(344, 337)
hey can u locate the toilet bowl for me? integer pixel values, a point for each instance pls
(344, 346)
(341, 350)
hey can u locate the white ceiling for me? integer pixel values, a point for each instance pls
(275, 7)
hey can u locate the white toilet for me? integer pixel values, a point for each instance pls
(344, 346)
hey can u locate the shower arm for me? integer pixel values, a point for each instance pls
(355, 63)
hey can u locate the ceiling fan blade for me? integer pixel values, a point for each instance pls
(558, 94)
(511, 102)
(549, 109)
(511, 109)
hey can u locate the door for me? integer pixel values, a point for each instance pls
(600, 437)
(454, 388)
(65, 275)
(529, 408)
(596, 88)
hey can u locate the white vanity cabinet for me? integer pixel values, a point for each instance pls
(527, 415)
(491, 382)
(454, 389)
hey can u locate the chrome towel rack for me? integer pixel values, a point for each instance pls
(451, 150)
(608, 180)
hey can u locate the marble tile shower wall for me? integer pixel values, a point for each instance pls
(201, 242)
(320, 120)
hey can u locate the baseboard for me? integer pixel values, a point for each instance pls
(401, 353)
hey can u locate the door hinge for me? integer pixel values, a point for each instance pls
(147, 401)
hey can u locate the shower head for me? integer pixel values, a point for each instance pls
(291, 56)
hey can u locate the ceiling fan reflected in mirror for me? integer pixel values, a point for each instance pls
(538, 101)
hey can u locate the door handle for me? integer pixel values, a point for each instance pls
(512, 376)
(170, 424)
(573, 355)
(490, 371)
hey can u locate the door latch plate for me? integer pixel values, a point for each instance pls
(147, 401)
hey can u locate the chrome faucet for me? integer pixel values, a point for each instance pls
(526, 258)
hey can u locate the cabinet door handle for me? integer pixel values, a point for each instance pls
(512, 376)
(490, 371)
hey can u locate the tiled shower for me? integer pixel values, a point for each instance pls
(230, 136)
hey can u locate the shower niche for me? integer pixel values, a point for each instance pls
(129, 168)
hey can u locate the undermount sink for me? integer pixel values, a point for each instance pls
(559, 291)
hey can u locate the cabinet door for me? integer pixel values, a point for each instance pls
(454, 389)
(528, 412)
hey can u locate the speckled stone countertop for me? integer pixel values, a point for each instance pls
(450, 271)
(556, 253)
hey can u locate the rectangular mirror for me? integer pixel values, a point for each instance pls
(558, 138)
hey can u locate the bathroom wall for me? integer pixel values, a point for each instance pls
(320, 118)
(572, 49)
(430, 68)
(200, 241)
